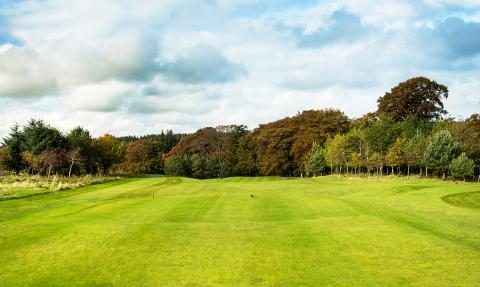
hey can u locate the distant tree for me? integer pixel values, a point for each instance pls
(414, 149)
(53, 159)
(246, 163)
(202, 167)
(395, 156)
(110, 151)
(78, 137)
(283, 146)
(179, 165)
(316, 163)
(380, 135)
(335, 152)
(440, 152)
(12, 159)
(418, 96)
(375, 162)
(224, 169)
(5, 158)
(412, 124)
(364, 121)
(356, 161)
(462, 167)
(467, 134)
(74, 157)
(38, 136)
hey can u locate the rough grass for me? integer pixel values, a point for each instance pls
(182, 232)
(14, 187)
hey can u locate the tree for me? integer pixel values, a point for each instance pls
(201, 167)
(74, 157)
(375, 161)
(110, 151)
(316, 163)
(246, 163)
(356, 161)
(335, 152)
(440, 152)
(414, 149)
(179, 165)
(461, 167)
(357, 148)
(283, 146)
(12, 159)
(52, 159)
(467, 134)
(38, 136)
(395, 154)
(78, 137)
(418, 96)
(380, 135)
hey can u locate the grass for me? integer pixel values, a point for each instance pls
(171, 231)
(14, 187)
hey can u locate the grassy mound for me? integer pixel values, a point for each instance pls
(464, 199)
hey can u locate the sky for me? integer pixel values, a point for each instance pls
(140, 67)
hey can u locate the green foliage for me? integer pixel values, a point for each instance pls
(335, 151)
(316, 163)
(246, 164)
(38, 136)
(467, 134)
(381, 134)
(418, 96)
(110, 151)
(180, 165)
(440, 152)
(12, 154)
(461, 167)
(395, 155)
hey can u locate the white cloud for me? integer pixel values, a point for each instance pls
(104, 96)
(98, 63)
(23, 73)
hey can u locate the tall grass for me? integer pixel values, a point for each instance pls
(12, 186)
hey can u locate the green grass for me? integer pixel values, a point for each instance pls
(170, 231)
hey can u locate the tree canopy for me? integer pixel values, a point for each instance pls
(418, 96)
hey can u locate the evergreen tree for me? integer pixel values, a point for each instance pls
(462, 167)
(440, 152)
(316, 163)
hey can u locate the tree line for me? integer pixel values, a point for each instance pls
(409, 133)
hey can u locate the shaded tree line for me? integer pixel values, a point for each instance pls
(40, 149)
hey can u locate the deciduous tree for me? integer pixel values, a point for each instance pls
(418, 96)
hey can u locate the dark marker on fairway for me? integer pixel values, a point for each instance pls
(153, 195)
(252, 196)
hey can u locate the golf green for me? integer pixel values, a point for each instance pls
(265, 231)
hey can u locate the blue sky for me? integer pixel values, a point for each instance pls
(136, 67)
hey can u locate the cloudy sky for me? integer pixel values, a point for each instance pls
(137, 67)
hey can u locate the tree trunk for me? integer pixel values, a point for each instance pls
(70, 170)
(426, 172)
(443, 176)
(408, 170)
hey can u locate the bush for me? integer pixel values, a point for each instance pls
(462, 167)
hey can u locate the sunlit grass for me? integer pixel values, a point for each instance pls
(170, 231)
